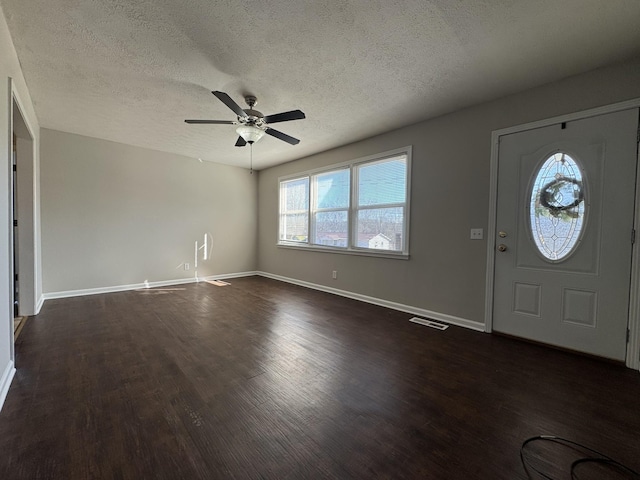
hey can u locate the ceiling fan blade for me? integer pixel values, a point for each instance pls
(212, 122)
(282, 136)
(285, 116)
(226, 99)
(240, 142)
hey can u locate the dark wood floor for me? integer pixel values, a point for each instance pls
(265, 380)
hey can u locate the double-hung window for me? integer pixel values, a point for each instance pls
(330, 208)
(381, 204)
(294, 210)
(359, 207)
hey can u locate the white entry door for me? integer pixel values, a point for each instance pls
(564, 223)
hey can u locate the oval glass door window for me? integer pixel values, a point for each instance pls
(557, 207)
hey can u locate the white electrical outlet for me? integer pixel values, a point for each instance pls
(476, 234)
(186, 266)
(334, 274)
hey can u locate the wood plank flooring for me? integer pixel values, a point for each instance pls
(265, 380)
(18, 325)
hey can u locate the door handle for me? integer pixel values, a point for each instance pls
(502, 247)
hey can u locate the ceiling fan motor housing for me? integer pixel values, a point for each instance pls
(254, 117)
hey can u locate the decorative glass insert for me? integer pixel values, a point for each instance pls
(557, 207)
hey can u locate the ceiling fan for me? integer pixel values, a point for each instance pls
(253, 124)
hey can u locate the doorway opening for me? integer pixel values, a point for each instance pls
(22, 217)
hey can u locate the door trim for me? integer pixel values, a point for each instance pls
(28, 248)
(633, 347)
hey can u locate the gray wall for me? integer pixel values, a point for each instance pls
(114, 214)
(450, 195)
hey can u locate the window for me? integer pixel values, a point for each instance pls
(557, 207)
(380, 210)
(294, 210)
(359, 207)
(331, 208)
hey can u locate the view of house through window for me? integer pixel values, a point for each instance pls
(382, 188)
(359, 206)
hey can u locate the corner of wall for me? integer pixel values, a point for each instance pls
(5, 382)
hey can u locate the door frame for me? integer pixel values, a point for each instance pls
(633, 346)
(27, 242)
(27, 205)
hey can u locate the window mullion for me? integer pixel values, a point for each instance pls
(382, 205)
(332, 209)
(353, 208)
(313, 202)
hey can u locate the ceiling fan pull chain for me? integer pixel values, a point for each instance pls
(251, 158)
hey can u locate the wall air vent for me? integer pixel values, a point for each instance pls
(429, 323)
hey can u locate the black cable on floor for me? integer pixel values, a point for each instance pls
(598, 457)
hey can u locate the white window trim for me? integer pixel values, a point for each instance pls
(293, 212)
(313, 206)
(351, 250)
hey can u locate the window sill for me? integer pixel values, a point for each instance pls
(345, 251)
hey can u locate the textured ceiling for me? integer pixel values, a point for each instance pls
(132, 71)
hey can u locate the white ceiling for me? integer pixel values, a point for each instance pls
(132, 71)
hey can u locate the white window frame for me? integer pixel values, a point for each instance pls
(313, 206)
(351, 248)
(281, 203)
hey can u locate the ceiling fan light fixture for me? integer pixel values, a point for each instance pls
(250, 133)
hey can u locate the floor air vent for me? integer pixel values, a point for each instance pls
(429, 323)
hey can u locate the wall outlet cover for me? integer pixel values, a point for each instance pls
(477, 234)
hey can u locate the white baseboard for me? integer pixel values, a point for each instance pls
(39, 304)
(443, 317)
(5, 382)
(138, 286)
